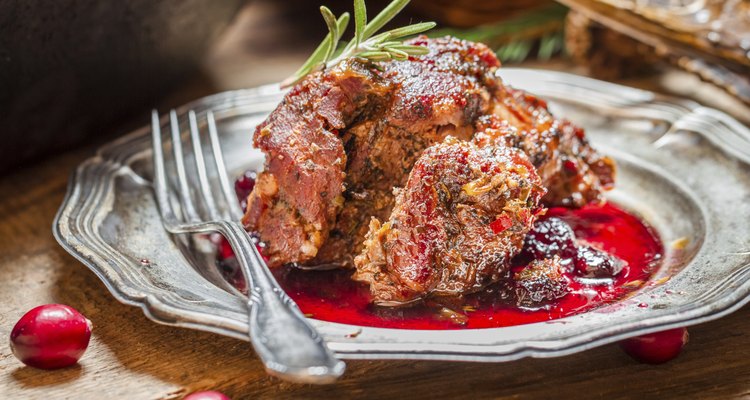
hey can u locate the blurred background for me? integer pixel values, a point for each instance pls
(79, 72)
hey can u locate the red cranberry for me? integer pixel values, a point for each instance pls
(548, 238)
(207, 395)
(656, 348)
(594, 263)
(243, 186)
(50, 336)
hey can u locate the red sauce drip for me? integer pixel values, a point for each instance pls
(333, 296)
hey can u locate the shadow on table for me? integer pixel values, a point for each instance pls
(31, 377)
(167, 353)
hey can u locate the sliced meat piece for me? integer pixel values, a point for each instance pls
(343, 138)
(431, 97)
(573, 172)
(456, 224)
(297, 197)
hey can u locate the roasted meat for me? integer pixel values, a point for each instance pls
(343, 138)
(572, 171)
(298, 195)
(457, 223)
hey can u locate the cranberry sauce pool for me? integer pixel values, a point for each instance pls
(633, 245)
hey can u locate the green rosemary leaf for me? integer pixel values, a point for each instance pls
(384, 17)
(408, 30)
(515, 51)
(546, 47)
(392, 43)
(318, 56)
(540, 28)
(549, 45)
(375, 55)
(504, 52)
(523, 50)
(396, 53)
(342, 23)
(410, 49)
(384, 46)
(333, 30)
(360, 21)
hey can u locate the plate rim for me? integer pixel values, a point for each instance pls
(158, 311)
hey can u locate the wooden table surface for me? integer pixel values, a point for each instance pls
(131, 357)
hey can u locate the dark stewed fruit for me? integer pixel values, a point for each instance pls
(591, 262)
(549, 237)
(553, 237)
(551, 258)
(541, 282)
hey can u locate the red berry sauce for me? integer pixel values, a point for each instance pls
(333, 296)
(597, 241)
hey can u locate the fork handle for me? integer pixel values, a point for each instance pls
(288, 345)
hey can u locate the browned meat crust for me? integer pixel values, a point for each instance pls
(342, 139)
(429, 98)
(346, 137)
(297, 197)
(572, 171)
(459, 220)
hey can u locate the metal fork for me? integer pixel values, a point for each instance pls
(288, 345)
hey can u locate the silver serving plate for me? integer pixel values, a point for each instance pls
(682, 167)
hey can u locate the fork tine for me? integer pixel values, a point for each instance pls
(235, 213)
(272, 314)
(186, 203)
(205, 186)
(160, 176)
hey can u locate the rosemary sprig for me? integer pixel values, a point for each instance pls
(366, 44)
(517, 38)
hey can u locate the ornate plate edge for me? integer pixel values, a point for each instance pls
(157, 310)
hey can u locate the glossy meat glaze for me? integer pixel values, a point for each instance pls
(344, 138)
